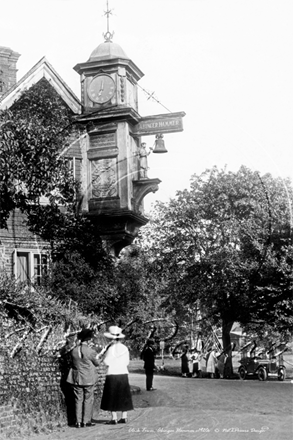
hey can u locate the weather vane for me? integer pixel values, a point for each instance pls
(108, 35)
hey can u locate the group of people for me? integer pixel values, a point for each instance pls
(214, 362)
(194, 361)
(82, 377)
(116, 395)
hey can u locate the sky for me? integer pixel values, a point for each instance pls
(226, 63)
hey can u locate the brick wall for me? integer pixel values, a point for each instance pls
(7, 420)
(8, 60)
(31, 398)
(17, 236)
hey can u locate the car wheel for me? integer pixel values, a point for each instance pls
(262, 374)
(242, 373)
(281, 374)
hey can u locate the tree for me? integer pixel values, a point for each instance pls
(226, 244)
(136, 306)
(31, 135)
(136, 286)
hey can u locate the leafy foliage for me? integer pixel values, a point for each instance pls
(35, 307)
(36, 179)
(225, 246)
(31, 167)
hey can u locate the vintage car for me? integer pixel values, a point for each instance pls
(261, 363)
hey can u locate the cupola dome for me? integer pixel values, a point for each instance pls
(107, 51)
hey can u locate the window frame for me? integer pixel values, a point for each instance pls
(30, 254)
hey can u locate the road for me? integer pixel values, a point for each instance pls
(187, 408)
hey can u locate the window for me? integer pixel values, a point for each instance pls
(74, 165)
(30, 265)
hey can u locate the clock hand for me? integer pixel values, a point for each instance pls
(101, 88)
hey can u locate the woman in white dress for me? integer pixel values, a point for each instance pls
(212, 362)
(116, 393)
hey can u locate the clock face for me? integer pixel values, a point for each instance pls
(101, 89)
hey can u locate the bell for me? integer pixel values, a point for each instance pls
(159, 144)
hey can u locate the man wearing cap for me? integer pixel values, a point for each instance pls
(149, 364)
(82, 377)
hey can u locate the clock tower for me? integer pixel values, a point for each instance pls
(108, 78)
(113, 172)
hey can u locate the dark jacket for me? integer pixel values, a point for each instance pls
(149, 358)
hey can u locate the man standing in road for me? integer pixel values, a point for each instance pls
(148, 356)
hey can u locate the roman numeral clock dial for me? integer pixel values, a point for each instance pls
(101, 89)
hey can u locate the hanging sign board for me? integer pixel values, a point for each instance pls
(156, 124)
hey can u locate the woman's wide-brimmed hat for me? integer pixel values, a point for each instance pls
(114, 333)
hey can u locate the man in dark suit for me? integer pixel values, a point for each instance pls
(148, 356)
(82, 376)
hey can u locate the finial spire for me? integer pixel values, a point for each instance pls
(108, 35)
